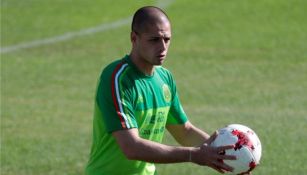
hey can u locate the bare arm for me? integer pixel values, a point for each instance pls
(136, 148)
(187, 134)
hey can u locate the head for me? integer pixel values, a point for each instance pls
(150, 35)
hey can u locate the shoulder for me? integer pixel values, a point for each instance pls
(115, 70)
(113, 67)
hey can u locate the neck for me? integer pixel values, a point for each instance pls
(145, 67)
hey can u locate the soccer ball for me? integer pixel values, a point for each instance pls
(247, 147)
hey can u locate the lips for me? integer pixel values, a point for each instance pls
(161, 55)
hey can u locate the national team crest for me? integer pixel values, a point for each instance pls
(166, 93)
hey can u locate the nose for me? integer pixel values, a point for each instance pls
(163, 45)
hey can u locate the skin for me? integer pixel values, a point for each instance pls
(149, 49)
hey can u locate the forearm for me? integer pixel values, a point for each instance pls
(195, 137)
(154, 152)
(137, 148)
(187, 134)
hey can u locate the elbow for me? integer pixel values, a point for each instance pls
(129, 143)
(130, 153)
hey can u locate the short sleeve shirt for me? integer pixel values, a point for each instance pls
(125, 99)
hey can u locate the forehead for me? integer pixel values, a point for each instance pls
(162, 29)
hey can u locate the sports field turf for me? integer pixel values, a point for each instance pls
(234, 61)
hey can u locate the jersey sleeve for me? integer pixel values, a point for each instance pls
(115, 98)
(176, 114)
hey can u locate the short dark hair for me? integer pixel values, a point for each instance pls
(144, 16)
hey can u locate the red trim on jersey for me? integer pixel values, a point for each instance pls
(122, 120)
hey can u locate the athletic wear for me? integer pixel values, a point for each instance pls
(125, 99)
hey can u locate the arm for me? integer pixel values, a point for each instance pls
(136, 148)
(187, 134)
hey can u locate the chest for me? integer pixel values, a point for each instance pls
(152, 93)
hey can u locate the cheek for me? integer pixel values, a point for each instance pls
(146, 51)
(149, 48)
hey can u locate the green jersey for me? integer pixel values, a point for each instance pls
(125, 99)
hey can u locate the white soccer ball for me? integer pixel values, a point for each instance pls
(247, 147)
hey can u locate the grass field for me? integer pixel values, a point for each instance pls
(234, 62)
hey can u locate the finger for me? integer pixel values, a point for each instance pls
(223, 166)
(227, 157)
(226, 147)
(212, 138)
(218, 169)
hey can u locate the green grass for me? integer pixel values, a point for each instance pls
(234, 62)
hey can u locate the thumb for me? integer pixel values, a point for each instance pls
(212, 138)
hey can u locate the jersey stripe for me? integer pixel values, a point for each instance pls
(116, 94)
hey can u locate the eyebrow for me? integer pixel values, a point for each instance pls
(160, 36)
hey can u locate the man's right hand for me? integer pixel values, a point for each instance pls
(211, 156)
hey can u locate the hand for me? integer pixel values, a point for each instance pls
(211, 156)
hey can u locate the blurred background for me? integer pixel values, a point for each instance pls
(234, 62)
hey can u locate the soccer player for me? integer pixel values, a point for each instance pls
(137, 101)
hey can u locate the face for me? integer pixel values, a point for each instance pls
(151, 46)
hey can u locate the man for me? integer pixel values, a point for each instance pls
(136, 101)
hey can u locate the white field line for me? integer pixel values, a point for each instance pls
(66, 36)
(74, 34)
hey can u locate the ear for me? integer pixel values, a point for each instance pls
(133, 36)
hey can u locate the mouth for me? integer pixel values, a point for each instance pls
(161, 56)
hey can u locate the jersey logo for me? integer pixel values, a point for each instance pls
(166, 93)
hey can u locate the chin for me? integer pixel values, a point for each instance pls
(159, 63)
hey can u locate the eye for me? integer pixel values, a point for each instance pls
(167, 39)
(154, 39)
